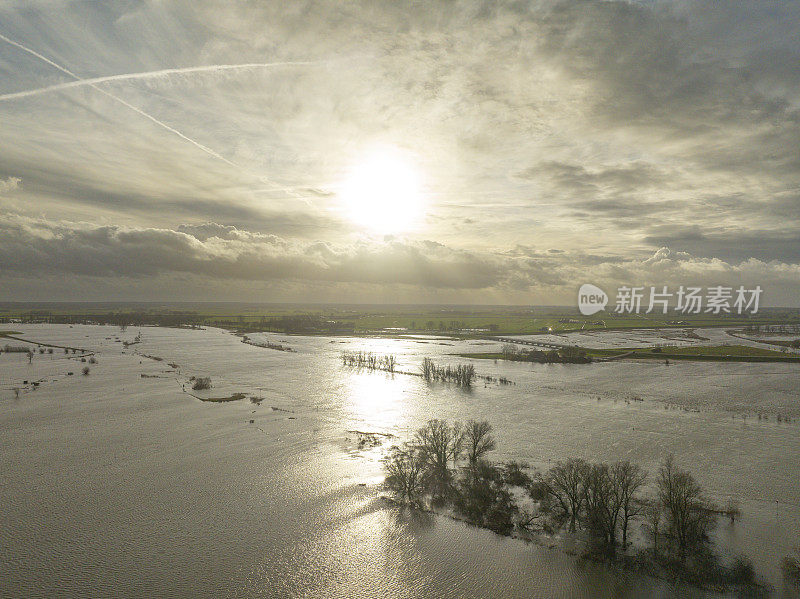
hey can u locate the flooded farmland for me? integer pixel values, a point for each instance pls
(272, 496)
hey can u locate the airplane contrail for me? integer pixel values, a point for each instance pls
(95, 86)
(147, 75)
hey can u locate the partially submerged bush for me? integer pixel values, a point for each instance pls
(742, 571)
(514, 474)
(484, 499)
(791, 568)
(202, 383)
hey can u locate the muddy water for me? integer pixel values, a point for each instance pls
(114, 483)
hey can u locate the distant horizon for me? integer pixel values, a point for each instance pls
(319, 304)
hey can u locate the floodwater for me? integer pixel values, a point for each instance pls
(120, 484)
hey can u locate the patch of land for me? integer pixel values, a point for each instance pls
(234, 397)
(457, 321)
(722, 353)
(731, 353)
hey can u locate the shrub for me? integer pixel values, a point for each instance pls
(202, 383)
(92, 360)
(537, 490)
(791, 568)
(514, 474)
(742, 571)
(85, 371)
(483, 498)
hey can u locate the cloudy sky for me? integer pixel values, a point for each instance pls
(458, 151)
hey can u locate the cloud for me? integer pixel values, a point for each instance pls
(737, 244)
(9, 184)
(36, 248)
(224, 252)
(602, 130)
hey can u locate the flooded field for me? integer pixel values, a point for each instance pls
(673, 337)
(123, 481)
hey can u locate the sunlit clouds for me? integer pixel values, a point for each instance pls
(321, 150)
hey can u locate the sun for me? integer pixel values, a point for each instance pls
(382, 192)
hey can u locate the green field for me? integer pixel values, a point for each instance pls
(464, 321)
(721, 353)
(713, 350)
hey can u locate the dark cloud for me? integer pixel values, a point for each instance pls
(228, 253)
(732, 245)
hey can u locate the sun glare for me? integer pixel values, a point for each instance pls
(382, 193)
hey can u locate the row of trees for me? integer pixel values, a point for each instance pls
(462, 375)
(453, 325)
(446, 464)
(772, 328)
(166, 318)
(568, 354)
(369, 361)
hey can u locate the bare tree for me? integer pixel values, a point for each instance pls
(438, 445)
(427, 369)
(478, 441)
(689, 518)
(601, 503)
(564, 482)
(404, 470)
(509, 350)
(627, 479)
(653, 514)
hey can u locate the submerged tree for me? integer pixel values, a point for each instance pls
(628, 478)
(791, 567)
(564, 483)
(438, 445)
(601, 503)
(202, 383)
(689, 519)
(478, 441)
(404, 473)
(483, 498)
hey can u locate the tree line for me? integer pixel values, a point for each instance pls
(369, 360)
(446, 465)
(462, 374)
(568, 354)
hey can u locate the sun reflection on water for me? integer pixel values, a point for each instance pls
(378, 399)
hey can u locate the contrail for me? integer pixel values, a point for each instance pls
(91, 83)
(145, 75)
(197, 144)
